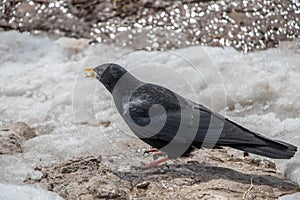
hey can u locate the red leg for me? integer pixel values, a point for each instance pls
(146, 166)
(155, 150)
(151, 150)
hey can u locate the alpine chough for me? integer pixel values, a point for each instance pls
(175, 125)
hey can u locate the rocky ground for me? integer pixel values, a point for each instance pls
(218, 175)
(156, 24)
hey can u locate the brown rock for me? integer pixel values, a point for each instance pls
(12, 138)
(10, 142)
(24, 130)
(219, 175)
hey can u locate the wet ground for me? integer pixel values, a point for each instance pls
(160, 24)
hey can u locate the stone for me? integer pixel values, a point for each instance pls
(12, 138)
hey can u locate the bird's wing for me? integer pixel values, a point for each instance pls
(150, 108)
(196, 124)
(180, 116)
(205, 126)
(183, 121)
(224, 131)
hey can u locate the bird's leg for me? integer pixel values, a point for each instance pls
(146, 166)
(155, 150)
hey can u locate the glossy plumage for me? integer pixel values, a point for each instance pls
(199, 126)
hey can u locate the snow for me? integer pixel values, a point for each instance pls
(24, 192)
(290, 197)
(42, 84)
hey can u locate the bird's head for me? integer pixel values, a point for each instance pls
(108, 74)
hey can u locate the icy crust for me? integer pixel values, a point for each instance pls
(25, 192)
(42, 84)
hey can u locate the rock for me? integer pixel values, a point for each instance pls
(10, 142)
(12, 138)
(24, 130)
(218, 175)
(143, 185)
(83, 178)
(72, 45)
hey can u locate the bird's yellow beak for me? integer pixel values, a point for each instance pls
(90, 73)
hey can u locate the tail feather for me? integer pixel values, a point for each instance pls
(239, 137)
(273, 149)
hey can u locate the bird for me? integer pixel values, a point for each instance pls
(174, 125)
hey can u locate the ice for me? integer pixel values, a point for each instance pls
(290, 197)
(42, 84)
(24, 192)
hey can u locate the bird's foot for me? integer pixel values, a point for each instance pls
(155, 151)
(146, 166)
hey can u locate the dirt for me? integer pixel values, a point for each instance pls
(217, 175)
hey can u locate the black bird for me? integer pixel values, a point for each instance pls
(175, 125)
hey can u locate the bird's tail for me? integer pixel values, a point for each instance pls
(272, 148)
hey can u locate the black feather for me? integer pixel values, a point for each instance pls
(142, 96)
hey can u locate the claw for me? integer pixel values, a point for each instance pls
(146, 166)
(150, 151)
